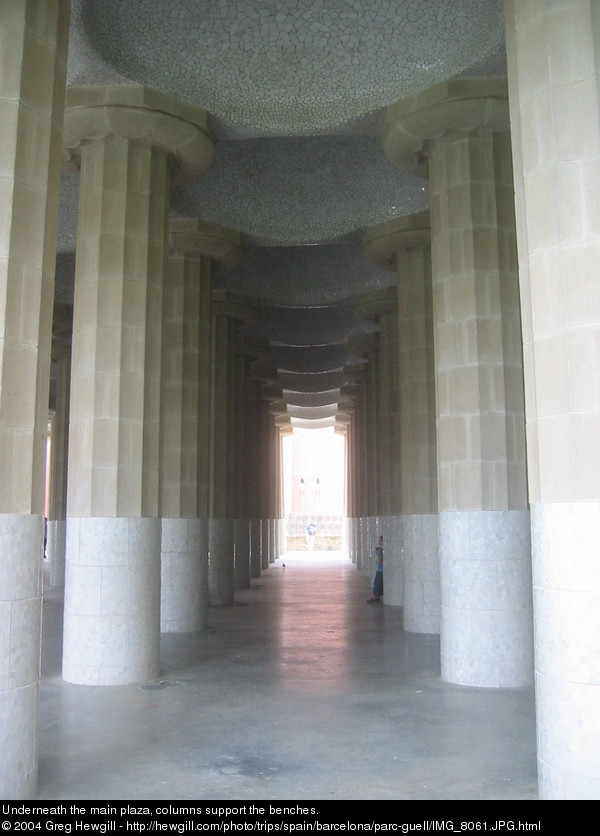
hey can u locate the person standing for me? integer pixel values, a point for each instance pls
(378, 579)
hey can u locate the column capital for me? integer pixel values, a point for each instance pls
(283, 422)
(455, 106)
(361, 345)
(234, 305)
(254, 347)
(386, 240)
(138, 113)
(371, 305)
(191, 236)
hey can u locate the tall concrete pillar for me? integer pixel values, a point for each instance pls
(265, 420)
(460, 129)
(284, 431)
(553, 72)
(33, 43)
(404, 246)
(367, 346)
(346, 423)
(127, 141)
(241, 529)
(229, 310)
(251, 447)
(57, 504)
(274, 489)
(381, 307)
(185, 418)
(247, 352)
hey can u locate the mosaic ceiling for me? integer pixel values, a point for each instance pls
(296, 91)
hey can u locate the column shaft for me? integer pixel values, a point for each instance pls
(221, 534)
(240, 510)
(418, 454)
(184, 443)
(57, 512)
(484, 527)
(553, 70)
(33, 43)
(112, 584)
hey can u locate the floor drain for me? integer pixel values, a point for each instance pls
(158, 686)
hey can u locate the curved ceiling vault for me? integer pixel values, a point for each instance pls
(296, 91)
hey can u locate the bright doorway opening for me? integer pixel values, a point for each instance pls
(314, 489)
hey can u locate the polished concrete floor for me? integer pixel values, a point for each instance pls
(300, 690)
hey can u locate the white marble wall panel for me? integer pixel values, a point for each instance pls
(566, 600)
(242, 554)
(55, 548)
(112, 600)
(220, 562)
(21, 539)
(486, 635)
(393, 574)
(421, 573)
(184, 575)
(255, 539)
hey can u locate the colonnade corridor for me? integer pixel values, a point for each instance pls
(299, 690)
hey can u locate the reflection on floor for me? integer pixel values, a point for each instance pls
(299, 690)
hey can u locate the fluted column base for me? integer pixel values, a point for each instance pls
(184, 575)
(21, 543)
(220, 564)
(242, 554)
(255, 548)
(112, 600)
(421, 573)
(390, 527)
(486, 637)
(264, 544)
(566, 600)
(56, 543)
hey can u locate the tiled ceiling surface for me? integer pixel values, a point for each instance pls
(296, 91)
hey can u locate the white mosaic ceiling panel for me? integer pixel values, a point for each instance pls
(305, 276)
(286, 67)
(301, 190)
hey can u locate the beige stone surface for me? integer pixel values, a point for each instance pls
(481, 452)
(554, 113)
(117, 330)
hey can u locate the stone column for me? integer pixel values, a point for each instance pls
(366, 347)
(404, 246)
(57, 510)
(265, 539)
(247, 352)
(252, 488)
(460, 129)
(346, 424)
(241, 528)
(381, 307)
(33, 44)
(274, 494)
(229, 310)
(284, 430)
(553, 72)
(128, 142)
(185, 418)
